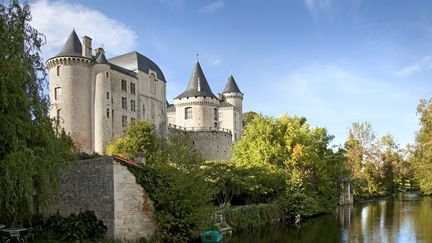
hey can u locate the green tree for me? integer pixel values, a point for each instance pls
(423, 147)
(31, 151)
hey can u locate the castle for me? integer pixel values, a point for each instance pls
(94, 98)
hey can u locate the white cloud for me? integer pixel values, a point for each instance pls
(212, 7)
(318, 7)
(57, 19)
(214, 61)
(420, 65)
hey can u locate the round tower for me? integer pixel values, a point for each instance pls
(233, 96)
(197, 107)
(69, 73)
(102, 102)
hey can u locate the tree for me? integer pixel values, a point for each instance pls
(423, 147)
(32, 151)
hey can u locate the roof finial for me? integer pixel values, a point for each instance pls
(197, 57)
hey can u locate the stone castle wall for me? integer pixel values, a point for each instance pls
(214, 145)
(106, 187)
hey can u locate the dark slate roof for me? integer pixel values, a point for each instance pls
(72, 46)
(136, 61)
(170, 108)
(123, 70)
(100, 58)
(198, 85)
(231, 86)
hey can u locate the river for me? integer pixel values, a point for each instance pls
(405, 218)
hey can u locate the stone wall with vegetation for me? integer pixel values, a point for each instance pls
(214, 145)
(106, 187)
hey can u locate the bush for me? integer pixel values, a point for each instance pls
(248, 217)
(83, 226)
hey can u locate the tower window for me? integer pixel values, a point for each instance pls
(58, 70)
(215, 112)
(123, 85)
(124, 103)
(107, 95)
(132, 88)
(107, 75)
(132, 105)
(57, 93)
(58, 115)
(108, 112)
(188, 113)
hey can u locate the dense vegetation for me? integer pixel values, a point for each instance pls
(422, 156)
(376, 166)
(31, 150)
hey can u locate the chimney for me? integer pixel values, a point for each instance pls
(87, 47)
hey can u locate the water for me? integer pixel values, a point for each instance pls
(406, 218)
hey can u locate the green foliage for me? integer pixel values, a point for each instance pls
(423, 147)
(287, 146)
(83, 226)
(31, 150)
(172, 177)
(375, 165)
(138, 137)
(248, 217)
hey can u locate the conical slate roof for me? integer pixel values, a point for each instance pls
(72, 47)
(198, 85)
(231, 86)
(100, 58)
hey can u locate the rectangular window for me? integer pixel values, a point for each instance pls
(132, 88)
(132, 105)
(188, 113)
(107, 95)
(58, 115)
(123, 85)
(215, 124)
(57, 93)
(215, 113)
(124, 120)
(132, 119)
(124, 103)
(108, 112)
(143, 112)
(107, 74)
(58, 70)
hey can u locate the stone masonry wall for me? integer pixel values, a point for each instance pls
(133, 209)
(215, 145)
(106, 187)
(88, 186)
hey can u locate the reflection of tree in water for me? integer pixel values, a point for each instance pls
(407, 218)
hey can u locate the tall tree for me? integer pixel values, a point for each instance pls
(31, 150)
(423, 147)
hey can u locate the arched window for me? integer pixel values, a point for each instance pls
(153, 83)
(188, 113)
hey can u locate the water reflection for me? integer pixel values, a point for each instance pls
(406, 218)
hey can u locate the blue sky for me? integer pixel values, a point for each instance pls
(333, 61)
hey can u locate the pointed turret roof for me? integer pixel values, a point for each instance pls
(231, 86)
(100, 57)
(198, 85)
(72, 46)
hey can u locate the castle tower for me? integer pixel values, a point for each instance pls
(197, 106)
(233, 96)
(102, 102)
(71, 90)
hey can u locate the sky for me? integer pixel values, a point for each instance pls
(333, 61)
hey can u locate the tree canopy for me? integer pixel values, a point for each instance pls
(31, 150)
